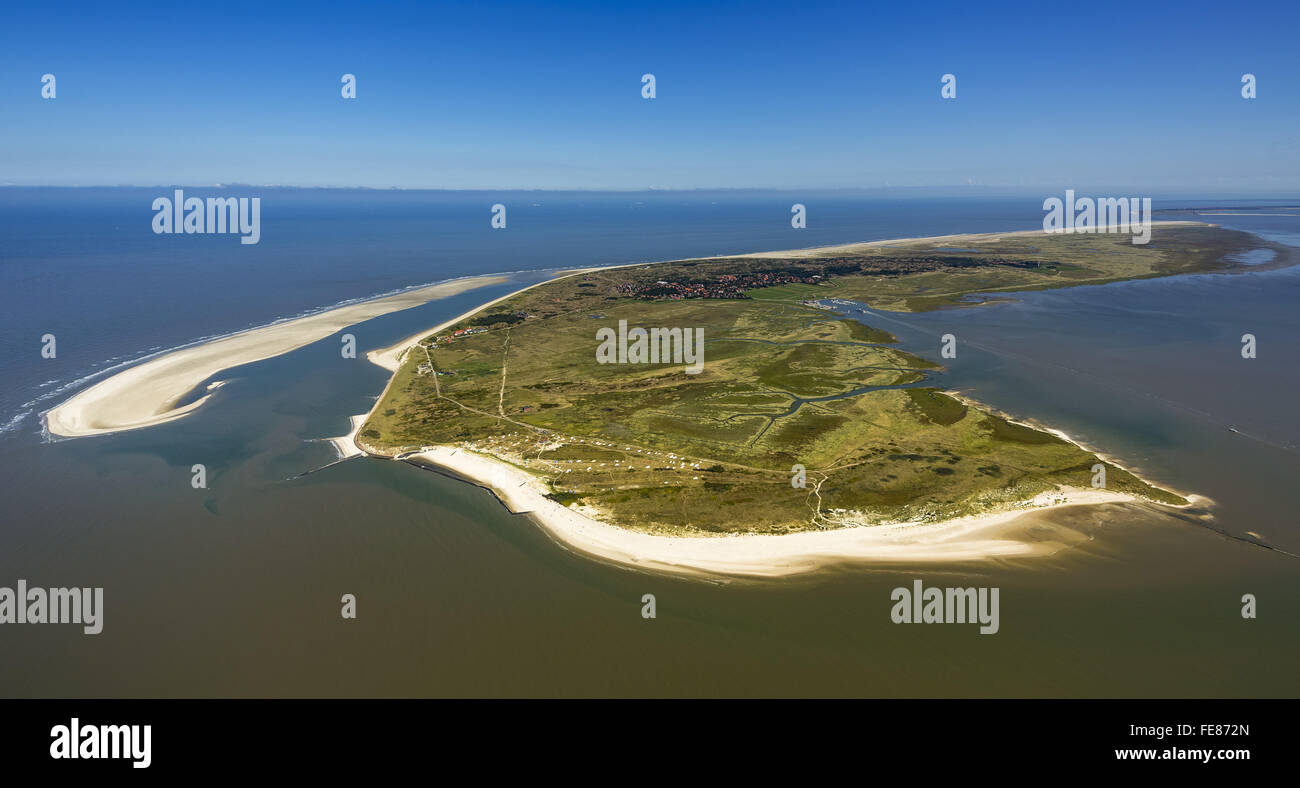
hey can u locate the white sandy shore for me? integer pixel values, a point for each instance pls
(1192, 498)
(390, 358)
(754, 555)
(146, 394)
(946, 240)
(346, 445)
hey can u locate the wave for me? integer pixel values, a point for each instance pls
(14, 422)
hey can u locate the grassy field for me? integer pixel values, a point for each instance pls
(783, 384)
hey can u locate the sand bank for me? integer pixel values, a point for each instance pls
(146, 394)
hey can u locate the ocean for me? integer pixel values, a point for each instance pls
(235, 590)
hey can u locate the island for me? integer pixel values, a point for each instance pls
(800, 423)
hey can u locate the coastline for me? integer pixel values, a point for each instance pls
(850, 247)
(756, 556)
(1192, 498)
(986, 536)
(346, 445)
(146, 394)
(390, 358)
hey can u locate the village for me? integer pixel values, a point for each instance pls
(726, 286)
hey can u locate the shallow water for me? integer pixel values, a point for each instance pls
(234, 590)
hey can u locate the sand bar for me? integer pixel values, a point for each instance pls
(146, 394)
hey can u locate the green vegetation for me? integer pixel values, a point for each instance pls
(496, 318)
(783, 384)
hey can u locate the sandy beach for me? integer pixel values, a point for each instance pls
(146, 394)
(390, 358)
(946, 240)
(993, 535)
(346, 445)
(971, 538)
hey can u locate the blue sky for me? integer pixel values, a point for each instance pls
(788, 95)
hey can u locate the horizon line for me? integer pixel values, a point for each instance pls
(641, 190)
